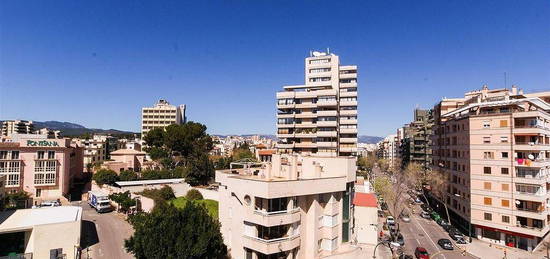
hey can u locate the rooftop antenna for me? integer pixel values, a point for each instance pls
(310, 53)
(328, 50)
(505, 79)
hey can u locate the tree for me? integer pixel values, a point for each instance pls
(165, 193)
(157, 153)
(17, 200)
(105, 176)
(154, 138)
(128, 175)
(383, 164)
(124, 200)
(199, 170)
(193, 194)
(417, 177)
(168, 232)
(437, 182)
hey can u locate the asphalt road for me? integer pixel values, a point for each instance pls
(103, 234)
(425, 233)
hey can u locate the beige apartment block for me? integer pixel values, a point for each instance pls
(320, 116)
(295, 206)
(494, 148)
(10, 127)
(161, 115)
(95, 149)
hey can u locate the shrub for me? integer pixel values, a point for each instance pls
(105, 176)
(193, 194)
(128, 175)
(159, 195)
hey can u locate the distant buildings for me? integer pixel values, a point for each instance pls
(10, 127)
(45, 168)
(95, 149)
(493, 147)
(415, 143)
(321, 115)
(161, 115)
(388, 149)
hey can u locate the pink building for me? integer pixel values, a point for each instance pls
(494, 148)
(45, 168)
(126, 159)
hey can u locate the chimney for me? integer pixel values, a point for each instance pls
(514, 90)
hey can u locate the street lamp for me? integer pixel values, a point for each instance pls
(469, 222)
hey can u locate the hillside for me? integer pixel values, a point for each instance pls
(73, 129)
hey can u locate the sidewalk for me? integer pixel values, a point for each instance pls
(483, 249)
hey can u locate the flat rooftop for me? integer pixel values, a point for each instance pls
(25, 219)
(149, 182)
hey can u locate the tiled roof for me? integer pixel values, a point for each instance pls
(365, 200)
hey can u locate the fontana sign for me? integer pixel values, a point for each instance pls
(42, 143)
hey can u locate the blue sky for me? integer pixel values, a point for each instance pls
(98, 62)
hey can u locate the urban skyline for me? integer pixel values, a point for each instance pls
(116, 58)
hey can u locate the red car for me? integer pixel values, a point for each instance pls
(421, 253)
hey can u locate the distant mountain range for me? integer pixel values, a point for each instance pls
(73, 129)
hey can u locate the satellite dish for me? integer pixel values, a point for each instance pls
(531, 156)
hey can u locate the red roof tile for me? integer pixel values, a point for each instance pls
(365, 200)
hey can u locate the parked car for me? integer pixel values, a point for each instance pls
(390, 221)
(405, 217)
(404, 256)
(398, 239)
(442, 222)
(49, 204)
(456, 235)
(425, 215)
(452, 229)
(445, 244)
(447, 227)
(426, 208)
(380, 213)
(383, 206)
(421, 253)
(461, 240)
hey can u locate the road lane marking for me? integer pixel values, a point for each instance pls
(430, 238)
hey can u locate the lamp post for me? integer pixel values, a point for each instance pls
(469, 224)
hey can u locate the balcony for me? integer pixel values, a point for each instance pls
(348, 149)
(305, 145)
(348, 85)
(285, 145)
(274, 218)
(306, 105)
(348, 140)
(305, 125)
(326, 144)
(348, 103)
(285, 115)
(286, 106)
(326, 103)
(326, 113)
(326, 123)
(305, 115)
(531, 196)
(285, 135)
(537, 162)
(346, 121)
(271, 246)
(348, 130)
(286, 125)
(327, 133)
(305, 135)
(348, 112)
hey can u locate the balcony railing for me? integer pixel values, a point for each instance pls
(273, 213)
(530, 227)
(274, 240)
(530, 210)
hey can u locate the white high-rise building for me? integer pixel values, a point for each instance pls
(320, 116)
(161, 115)
(10, 127)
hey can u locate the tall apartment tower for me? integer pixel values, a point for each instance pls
(161, 115)
(10, 127)
(320, 116)
(415, 145)
(494, 148)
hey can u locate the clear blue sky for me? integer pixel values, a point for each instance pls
(98, 62)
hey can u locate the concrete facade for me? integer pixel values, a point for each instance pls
(321, 115)
(45, 168)
(494, 148)
(10, 127)
(294, 207)
(161, 115)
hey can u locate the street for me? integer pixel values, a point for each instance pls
(420, 232)
(103, 234)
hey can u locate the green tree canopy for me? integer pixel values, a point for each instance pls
(168, 232)
(128, 175)
(193, 194)
(154, 138)
(105, 176)
(124, 200)
(200, 170)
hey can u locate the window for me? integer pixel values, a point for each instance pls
(319, 70)
(486, 140)
(487, 201)
(486, 124)
(504, 139)
(488, 155)
(488, 216)
(504, 170)
(505, 187)
(40, 154)
(506, 219)
(487, 170)
(38, 192)
(504, 154)
(503, 123)
(505, 203)
(319, 61)
(487, 185)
